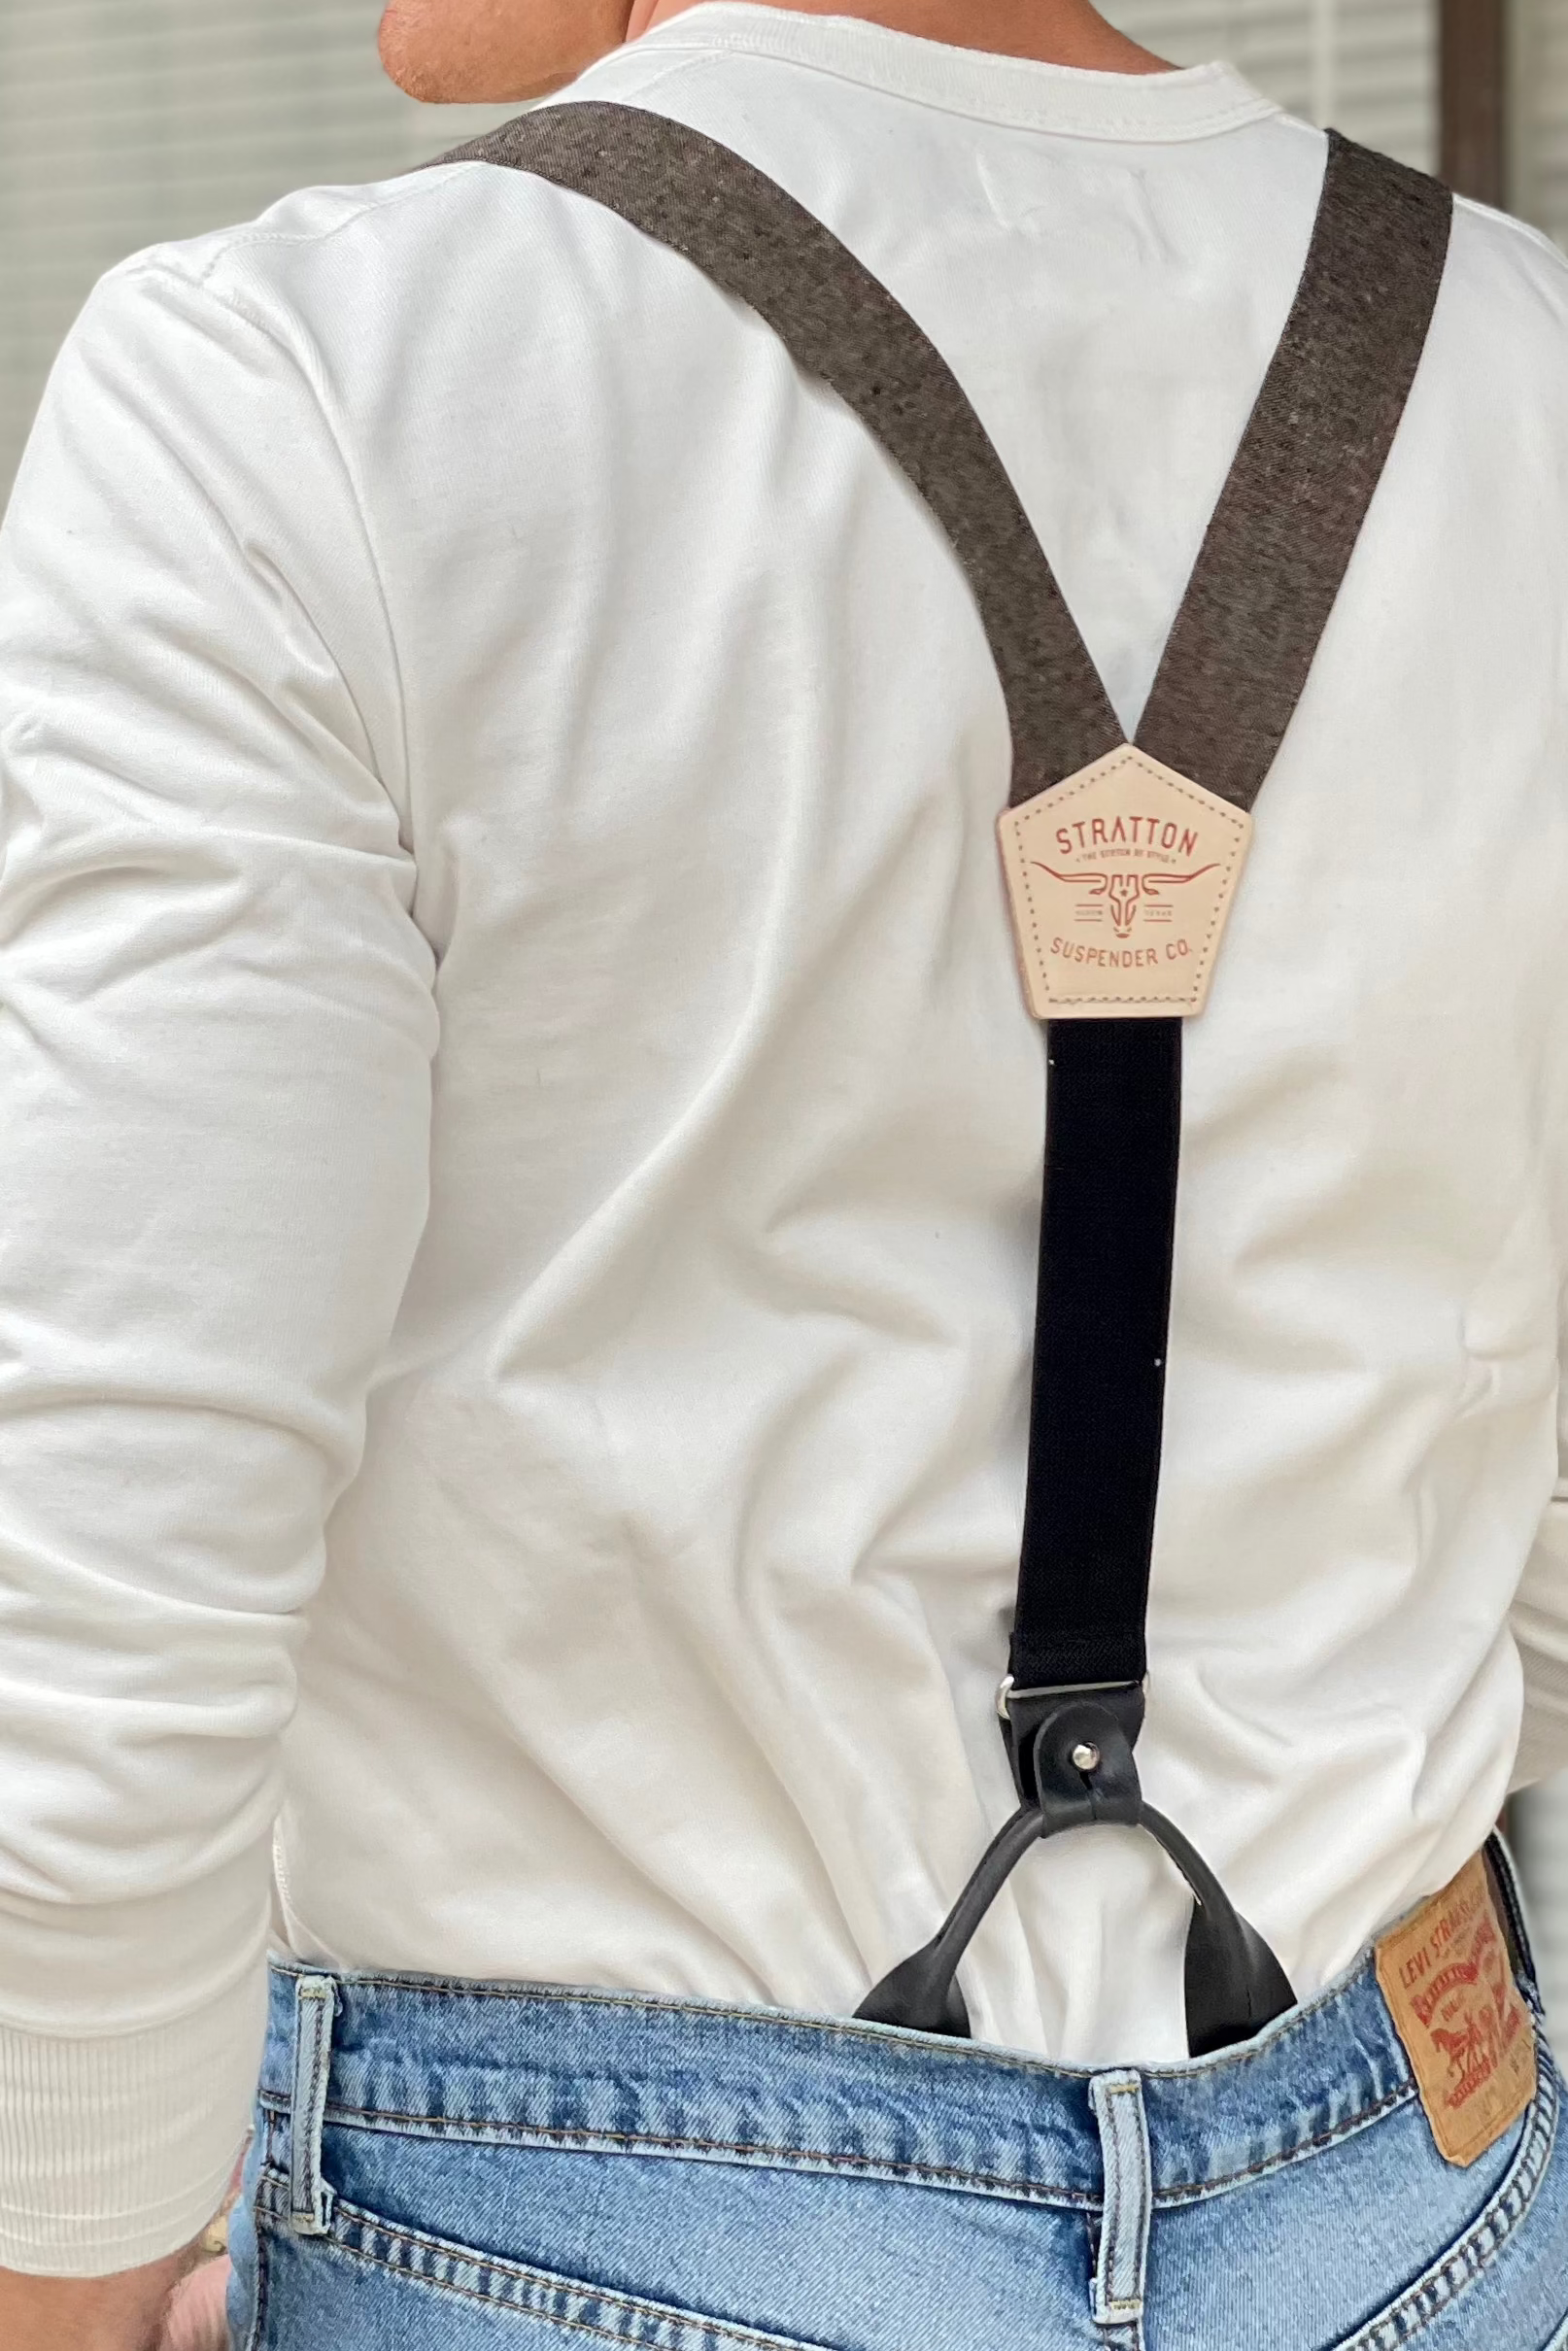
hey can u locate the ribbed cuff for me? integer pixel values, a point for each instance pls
(117, 2151)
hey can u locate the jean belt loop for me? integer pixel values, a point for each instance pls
(1504, 1873)
(309, 2199)
(1117, 2298)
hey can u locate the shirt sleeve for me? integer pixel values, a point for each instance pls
(217, 1022)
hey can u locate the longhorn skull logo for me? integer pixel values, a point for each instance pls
(1125, 889)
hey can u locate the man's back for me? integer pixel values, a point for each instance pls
(617, 738)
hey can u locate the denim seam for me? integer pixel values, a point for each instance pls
(263, 2272)
(690, 2325)
(441, 2125)
(937, 2049)
(1196, 2191)
(528, 2133)
(1468, 2261)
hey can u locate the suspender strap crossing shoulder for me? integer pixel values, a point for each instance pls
(1147, 841)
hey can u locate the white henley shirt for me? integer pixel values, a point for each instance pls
(522, 1138)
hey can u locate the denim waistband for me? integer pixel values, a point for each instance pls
(613, 2071)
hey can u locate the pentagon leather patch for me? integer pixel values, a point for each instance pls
(1120, 882)
(1468, 2034)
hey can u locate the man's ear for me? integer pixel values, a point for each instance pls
(491, 51)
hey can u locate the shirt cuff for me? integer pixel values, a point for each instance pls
(117, 2151)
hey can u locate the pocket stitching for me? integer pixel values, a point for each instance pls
(681, 2325)
(1463, 2266)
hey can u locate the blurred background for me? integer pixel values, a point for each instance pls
(126, 122)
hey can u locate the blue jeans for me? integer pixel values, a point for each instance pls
(456, 2166)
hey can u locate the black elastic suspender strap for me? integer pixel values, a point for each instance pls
(1107, 1242)
(1266, 582)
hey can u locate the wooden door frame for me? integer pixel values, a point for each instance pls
(1473, 81)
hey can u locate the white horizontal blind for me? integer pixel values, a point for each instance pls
(1275, 43)
(126, 122)
(1538, 99)
(1367, 66)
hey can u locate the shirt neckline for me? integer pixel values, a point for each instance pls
(1191, 102)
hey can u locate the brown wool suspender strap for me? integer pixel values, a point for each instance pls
(1266, 582)
(1287, 522)
(1288, 519)
(841, 326)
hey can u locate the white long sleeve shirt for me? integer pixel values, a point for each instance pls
(522, 1138)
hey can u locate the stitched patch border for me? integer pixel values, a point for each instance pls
(1447, 1979)
(1120, 882)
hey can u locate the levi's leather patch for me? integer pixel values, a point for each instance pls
(1470, 2038)
(1120, 881)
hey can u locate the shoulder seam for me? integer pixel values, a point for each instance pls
(251, 237)
(1525, 230)
(153, 264)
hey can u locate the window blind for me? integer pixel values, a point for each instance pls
(1367, 66)
(1538, 100)
(126, 122)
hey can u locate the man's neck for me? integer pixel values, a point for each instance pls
(1052, 32)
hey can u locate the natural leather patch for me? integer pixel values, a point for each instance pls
(1120, 882)
(1468, 2034)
